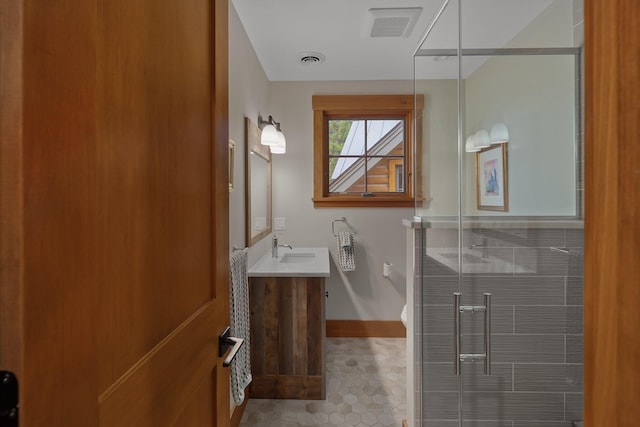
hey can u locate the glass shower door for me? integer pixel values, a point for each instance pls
(501, 245)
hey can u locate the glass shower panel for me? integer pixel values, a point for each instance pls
(518, 214)
(501, 273)
(436, 69)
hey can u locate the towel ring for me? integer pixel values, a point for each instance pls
(342, 219)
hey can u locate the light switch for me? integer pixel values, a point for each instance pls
(280, 224)
(260, 223)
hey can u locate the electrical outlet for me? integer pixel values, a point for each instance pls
(280, 224)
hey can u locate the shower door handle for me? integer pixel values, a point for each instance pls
(487, 334)
(458, 310)
(457, 337)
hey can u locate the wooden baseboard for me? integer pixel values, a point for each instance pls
(238, 411)
(366, 328)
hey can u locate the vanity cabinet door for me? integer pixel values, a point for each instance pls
(287, 337)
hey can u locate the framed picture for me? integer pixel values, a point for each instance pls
(232, 153)
(492, 179)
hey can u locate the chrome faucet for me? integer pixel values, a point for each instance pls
(275, 246)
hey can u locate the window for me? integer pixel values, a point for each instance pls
(364, 151)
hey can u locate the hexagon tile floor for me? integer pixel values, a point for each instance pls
(366, 387)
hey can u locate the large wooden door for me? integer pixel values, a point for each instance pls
(114, 210)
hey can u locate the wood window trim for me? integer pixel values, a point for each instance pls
(333, 106)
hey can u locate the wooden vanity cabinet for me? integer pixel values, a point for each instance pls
(287, 337)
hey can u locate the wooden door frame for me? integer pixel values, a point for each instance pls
(11, 185)
(612, 213)
(220, 123)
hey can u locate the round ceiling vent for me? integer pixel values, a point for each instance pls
(311, 58)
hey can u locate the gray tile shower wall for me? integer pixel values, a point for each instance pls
(537, 323)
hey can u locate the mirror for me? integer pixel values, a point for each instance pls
(258, 185)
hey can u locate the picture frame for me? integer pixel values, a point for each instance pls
(492, 192)
(232, 154)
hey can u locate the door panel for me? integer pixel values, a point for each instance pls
(161, 392)
(114, 211)
(200, 410)
(155, 164)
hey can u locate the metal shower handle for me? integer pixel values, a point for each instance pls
(458, 310)
(457, 338)
(487, 334)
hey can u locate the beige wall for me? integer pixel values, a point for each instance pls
(248, 96)
(363, 294)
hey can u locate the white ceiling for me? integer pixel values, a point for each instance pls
(280, 30)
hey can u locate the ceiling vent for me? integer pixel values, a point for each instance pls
(310, 58)
(391, 22)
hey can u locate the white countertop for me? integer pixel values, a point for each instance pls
(296, 262)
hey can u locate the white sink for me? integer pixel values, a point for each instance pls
(296, 262)
(298, 257)
(474, 262)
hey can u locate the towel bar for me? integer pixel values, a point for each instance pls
(342, 219)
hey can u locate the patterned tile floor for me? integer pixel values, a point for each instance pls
(366, 387)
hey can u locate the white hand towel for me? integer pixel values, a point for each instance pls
(239, 299)
(346, 251)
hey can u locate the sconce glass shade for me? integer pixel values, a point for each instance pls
(482, 139)
(276, 149)
(470, 145)
(281, 146)
(499, 134)
(269, 135)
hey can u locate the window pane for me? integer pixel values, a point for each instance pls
(385, 175)
(346, 138)
(385, 137)
(348, 179)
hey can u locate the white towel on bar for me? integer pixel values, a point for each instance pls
(239, 305)
(346, 251)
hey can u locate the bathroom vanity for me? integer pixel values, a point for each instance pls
(287, 296)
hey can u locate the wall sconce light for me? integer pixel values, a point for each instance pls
(272, 135)
(483, 139)
(499, 134)
(470, 145)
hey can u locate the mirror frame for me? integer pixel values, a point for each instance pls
(253, 145)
